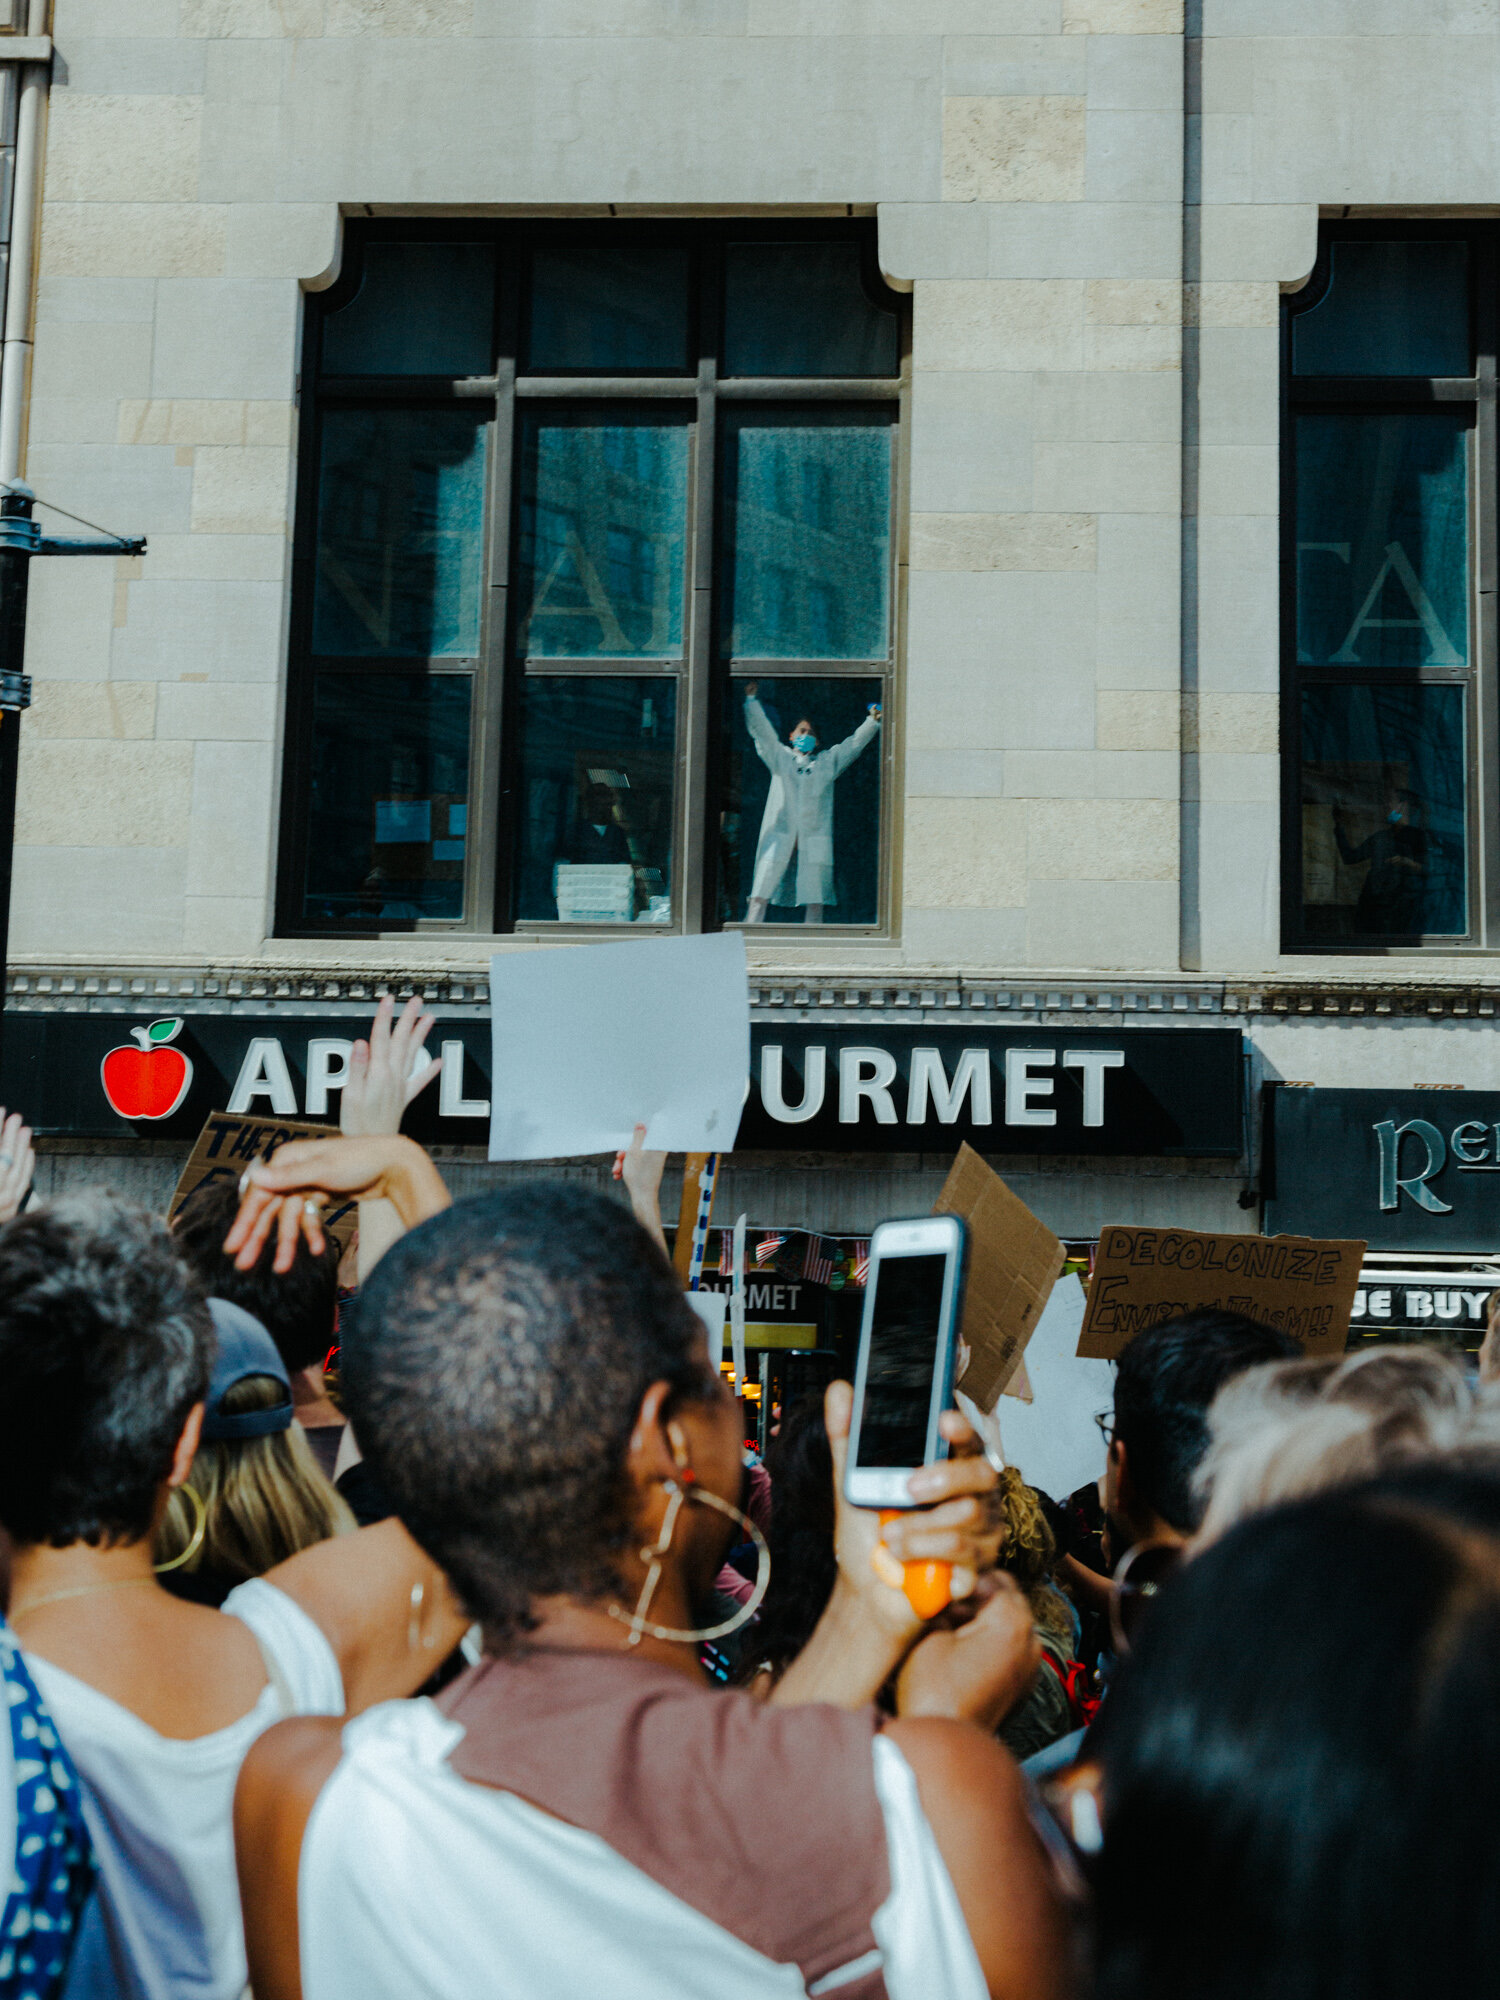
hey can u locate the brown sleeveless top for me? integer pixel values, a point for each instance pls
(765, 1820)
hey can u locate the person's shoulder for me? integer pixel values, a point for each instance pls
(288, 1765)
(281, 1780)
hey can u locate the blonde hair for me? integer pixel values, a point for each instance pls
(1029, 1554)
(1293, 1428)
(265, 1497)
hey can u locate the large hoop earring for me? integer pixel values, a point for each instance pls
(195, 1540)
(637, 1620)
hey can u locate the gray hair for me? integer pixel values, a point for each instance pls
(1294, 1428)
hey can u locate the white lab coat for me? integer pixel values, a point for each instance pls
(799, 810)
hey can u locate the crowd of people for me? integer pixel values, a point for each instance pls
(502, 1666)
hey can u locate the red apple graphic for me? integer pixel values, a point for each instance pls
(149, 1080)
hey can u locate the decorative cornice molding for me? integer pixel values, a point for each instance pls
(936, 997)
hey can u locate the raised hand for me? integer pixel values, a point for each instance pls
(641, 1172)
(287, 1192)
(977, 1670)
(387, 1071)
(868, 1623)
(951, 1522)
(17, 1163)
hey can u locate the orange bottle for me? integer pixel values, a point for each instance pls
(928, 1585)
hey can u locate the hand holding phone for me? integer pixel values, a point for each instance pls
(949, 1521)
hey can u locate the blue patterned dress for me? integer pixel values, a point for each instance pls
(47, 1880)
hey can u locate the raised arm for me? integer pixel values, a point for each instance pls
(773, 753)
(974, 1799)
(384, 1607)
(842, 755)
(641, 1172)
(868, 1626)
(285, 1193)
(385, 1074)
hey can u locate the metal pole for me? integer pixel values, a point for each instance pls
(20, 282)
(15, 695)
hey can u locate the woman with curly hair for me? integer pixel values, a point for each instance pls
(1029, 1553)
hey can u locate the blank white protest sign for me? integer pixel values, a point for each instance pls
(591, 1041)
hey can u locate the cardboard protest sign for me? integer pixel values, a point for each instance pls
(1014, 1261)
(230, 1141)
(1305, 1285)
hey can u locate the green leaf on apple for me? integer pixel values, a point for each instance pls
(163, 1031)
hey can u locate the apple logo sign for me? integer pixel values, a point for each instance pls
(150, 1079)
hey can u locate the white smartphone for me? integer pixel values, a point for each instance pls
(907, 1341)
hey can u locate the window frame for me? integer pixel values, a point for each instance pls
(1303, 395)
(498, 670)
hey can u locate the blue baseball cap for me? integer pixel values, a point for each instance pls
(244, 1349)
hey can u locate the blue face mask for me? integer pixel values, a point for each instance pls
(1396, 815)
(805, 742)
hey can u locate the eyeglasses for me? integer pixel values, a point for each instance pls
(1106, 1422)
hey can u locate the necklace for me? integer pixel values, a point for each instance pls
(81, 1590)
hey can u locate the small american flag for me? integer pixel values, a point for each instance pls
(767, 1246)
(860, 1274)
(817, 1265)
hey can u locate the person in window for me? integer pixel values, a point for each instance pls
(598, 837)
(1393, 895)
(798, 819)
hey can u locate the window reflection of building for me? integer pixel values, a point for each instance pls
(1385, 449)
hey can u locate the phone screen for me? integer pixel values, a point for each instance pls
(902, 1357)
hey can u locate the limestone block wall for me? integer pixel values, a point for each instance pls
(1096, 204)
(1042, 698)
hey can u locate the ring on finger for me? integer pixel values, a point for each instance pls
(312, 1207)
(7, 1159)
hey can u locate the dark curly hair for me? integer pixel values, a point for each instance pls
(494, 1376)
(105, 1346)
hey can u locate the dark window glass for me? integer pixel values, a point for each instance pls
(597, 762)
(1390, 309)
(1382, 540)
(801, 309)
(609, 308)
(791, 835)
(421, 309)
(1383, 811)
(808, 522)
(390, 798)
(400, 533)
(603, 537)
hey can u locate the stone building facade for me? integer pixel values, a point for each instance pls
(1090, 215)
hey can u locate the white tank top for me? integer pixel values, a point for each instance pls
(417, 1884)
(165, 1922)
